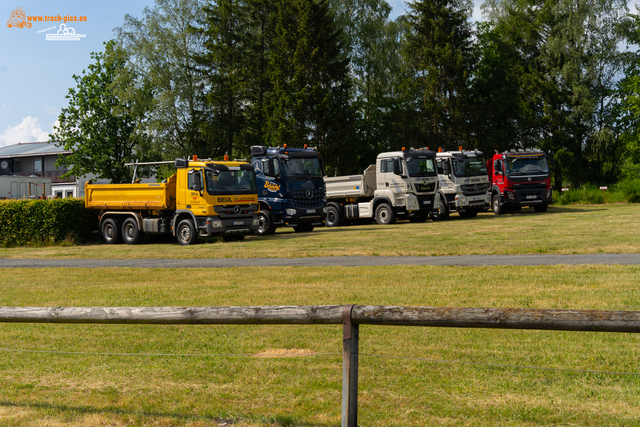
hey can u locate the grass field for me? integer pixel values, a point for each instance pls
(95, 375)
(562, 230)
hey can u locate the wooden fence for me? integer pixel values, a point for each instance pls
(351, 316)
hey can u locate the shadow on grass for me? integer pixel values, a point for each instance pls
(277, 420)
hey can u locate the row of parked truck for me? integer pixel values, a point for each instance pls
(286, 187)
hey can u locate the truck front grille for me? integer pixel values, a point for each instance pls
(474, 189)
(235, 211)
(308, 198)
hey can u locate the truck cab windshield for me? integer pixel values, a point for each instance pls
(230, 182)
(303, 167)
(526, 165)
(421, 167)
(468, 167)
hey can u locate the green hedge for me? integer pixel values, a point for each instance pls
(38, 222)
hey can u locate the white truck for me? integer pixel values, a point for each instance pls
(463, 184)
(401, 185)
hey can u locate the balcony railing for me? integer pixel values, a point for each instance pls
(54, 175)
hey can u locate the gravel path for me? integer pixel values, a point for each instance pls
(363, 261)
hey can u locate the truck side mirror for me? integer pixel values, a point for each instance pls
(446, 167)
(321, 165)
(397, 169)
(270, 168)
(197, 185)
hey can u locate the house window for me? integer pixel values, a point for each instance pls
(37, 165)
(58, 194)
(17, 166)
(70, 193)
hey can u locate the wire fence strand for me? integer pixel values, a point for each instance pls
(289, 355)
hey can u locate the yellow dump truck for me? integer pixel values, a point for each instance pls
(204, 198)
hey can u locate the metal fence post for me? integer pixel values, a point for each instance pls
(350, 338)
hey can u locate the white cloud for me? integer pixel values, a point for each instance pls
(29, 130)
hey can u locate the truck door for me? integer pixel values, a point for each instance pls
(391, 182)
(498, 175)
(196, 192)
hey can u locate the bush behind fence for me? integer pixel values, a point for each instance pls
(37, 222)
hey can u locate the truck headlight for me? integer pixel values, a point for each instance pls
(291, 212)
(216, 223)
(256, 221)
(324, 209)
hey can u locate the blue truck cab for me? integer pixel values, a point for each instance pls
(290, 188)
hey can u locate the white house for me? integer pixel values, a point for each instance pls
(37, 159)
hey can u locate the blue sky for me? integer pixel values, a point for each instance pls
(36, 73)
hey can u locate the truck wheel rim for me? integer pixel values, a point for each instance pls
(331, 218)
(185, 233)
(262, 226)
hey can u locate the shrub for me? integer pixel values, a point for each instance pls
(29, 222)
(587, 194)
(631, 189)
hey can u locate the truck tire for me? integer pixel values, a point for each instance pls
(186, 232)
(385, 214)
(333, 217)
(131, 234)
(303, 228)
(443, 212)
(540, 208)
(110, 231)
(495, 205)
(468, 214)
(266, 225)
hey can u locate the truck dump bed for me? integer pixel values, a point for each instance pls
(352, 185)
(131, 196)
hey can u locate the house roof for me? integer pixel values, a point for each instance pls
(30, 149)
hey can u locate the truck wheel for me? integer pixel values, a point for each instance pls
(235, 238)
(540, 208)
(303, 228)
(468, 214)
(131, 234)
(385, 214)
(442, 212)
(266, 225)
(111, 231)
(186, 232)
(333, 217)
(495, 204)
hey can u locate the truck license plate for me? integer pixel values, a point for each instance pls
(238, 222)
(311, 211)
(532, 197)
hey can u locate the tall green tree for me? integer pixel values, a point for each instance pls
(309, 103)
(439, 52)
(628, 110)
(101, 125)
(161, 47)
(571, 49)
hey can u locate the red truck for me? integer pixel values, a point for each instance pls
(519, 178)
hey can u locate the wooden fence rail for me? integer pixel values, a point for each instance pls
(350, 316)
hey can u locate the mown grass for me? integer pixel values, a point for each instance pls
(562, 230)
(142, 390)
